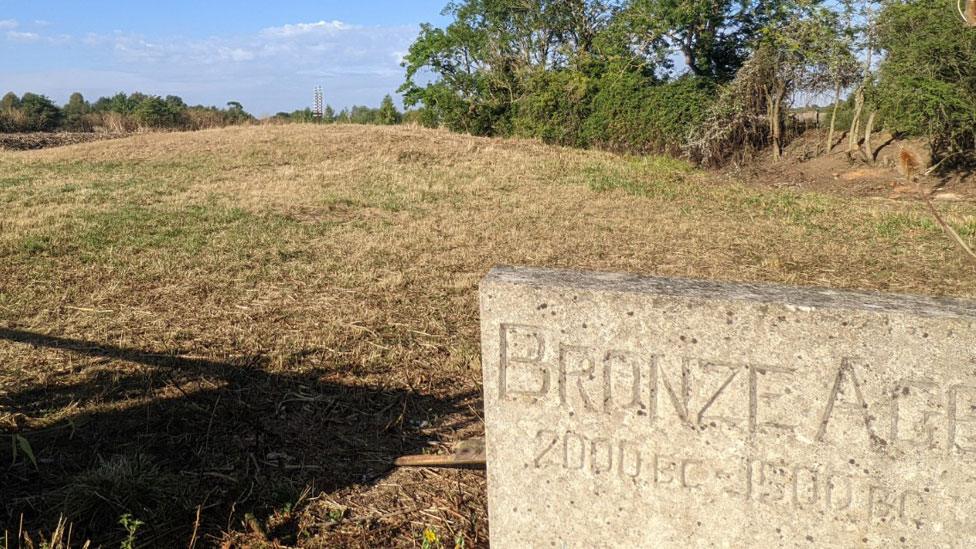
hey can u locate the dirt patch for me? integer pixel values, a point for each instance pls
(804, 168)
(39, 140)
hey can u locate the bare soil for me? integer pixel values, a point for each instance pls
(804, 168)
(44, 140)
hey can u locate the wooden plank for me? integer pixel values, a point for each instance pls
(469, 454)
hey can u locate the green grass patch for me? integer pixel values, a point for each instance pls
(895, 225)
(35, 244)
(136, 229)
(9, 182)
(651, 177)
(808, 210)
(94, 182)
(181, 236)
(967, 229)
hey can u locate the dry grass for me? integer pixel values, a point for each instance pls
(246, 325)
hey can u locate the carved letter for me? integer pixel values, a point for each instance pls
(810, 493)
(756, 396)
(634, 453)
(582, 357)
(688, 467)
(922, 429)
(678, 399)
(543, 436)
(859, 408)
(521, 346)
(665, 469)
(601, 455)
(957, 392)
(733, 370)
(574, 459)
(840, 492)
(882, 504)
(621, 376)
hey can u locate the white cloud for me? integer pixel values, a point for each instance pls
(26, 37)
(135, 49)
(271, 69)
(17, 36)
(235, 54)
(298, 29)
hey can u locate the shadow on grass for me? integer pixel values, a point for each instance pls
(177, 435)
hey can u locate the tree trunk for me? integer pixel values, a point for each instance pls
(868, 128)
(833, 118)
(855, 121)
(777, 132)
(775, 119)
(859, 98)
(690, 60)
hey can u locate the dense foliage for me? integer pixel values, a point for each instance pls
(630, 114)
(573, 72)
(118, 113)
(927, 80)
(667, 75)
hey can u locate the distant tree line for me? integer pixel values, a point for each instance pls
(712, 80)
(386, 115)
(119, 113)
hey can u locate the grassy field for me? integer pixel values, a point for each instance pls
(227, 335)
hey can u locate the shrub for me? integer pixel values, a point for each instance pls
(554, 107)
(363, 115)
(74, 113)
(419, 117)
(41, 113)
(927, 82)
(736, 124)
(13, 121)
(154, 112)
(199, 118)
(632, 112)
(388, 114)
(9, 102)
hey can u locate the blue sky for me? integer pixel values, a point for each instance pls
(268, 55)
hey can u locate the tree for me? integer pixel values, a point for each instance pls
(305, 116)
(75, 111)
(388, 114)
(805, 47)
(483, 59)
(236, 114)
(363, 115)
(40, 112)
(865, 33)
(794, 52)
(841, 63)
(175, 102)
(712, 36)
(926, 82)
(154, 112)
(9, 102)
(462, 97)
(119, 103)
